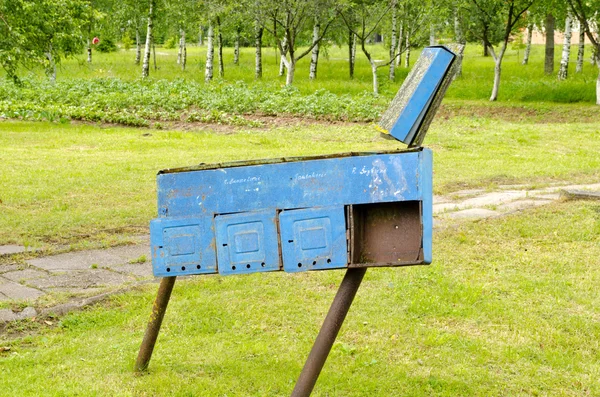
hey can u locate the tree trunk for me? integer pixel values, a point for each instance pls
(460, 39)
(581, 51)
(154, 54)
(400, 45)
(89, 50)
(180, 49)
(498, 70)
(375, 83)
(353, 53)
(258, 32)
(282, 64)
(314, 58)
(407, 55)
(563, 72)
(236, 47)
(51, 68)
(210, 51)
(351, 43)
(392, 74)
(549, 61)
(184, 50)
(138, 46)
(291, 69)
(149, 40)
(528, 44)
(432, 34)
(220, 47)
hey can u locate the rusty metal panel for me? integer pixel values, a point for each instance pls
(247, 242)
(313, 239)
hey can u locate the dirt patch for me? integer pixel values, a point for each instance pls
(543, 114)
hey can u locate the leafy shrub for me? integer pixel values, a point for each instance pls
(126, 42)
(171, 42)
(106, 45)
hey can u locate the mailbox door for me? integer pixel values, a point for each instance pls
(182, 246)
(313, 239)
(247, 242)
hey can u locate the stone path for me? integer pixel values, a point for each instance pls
(94, 272)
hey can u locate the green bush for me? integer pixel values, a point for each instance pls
(171, 42)
(126, 42)
(106, 45)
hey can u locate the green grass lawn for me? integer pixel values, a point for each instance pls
(510, 307)
(83, 184)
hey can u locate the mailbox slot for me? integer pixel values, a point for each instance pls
(182, 247)
(386, 234)
(313, 239)
(247, 242)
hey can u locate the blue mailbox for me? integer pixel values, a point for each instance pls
(349, 210)
(294, 214)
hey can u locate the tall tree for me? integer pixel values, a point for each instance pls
(290, 18)
(149, 39)
(563, 72)
(507, 14)
(587, 13)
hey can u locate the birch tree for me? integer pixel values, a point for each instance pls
(563, 72)
(149, 39)
(507, 14)
(289, 19)
(528, 40)
(369, 15)
(587, 13)
(580, 50)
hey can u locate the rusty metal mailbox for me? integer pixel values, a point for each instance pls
(296, 214)
(349, 210)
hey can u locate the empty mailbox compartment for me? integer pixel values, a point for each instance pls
(313, 239)
(182, 246)
(247, 242)
(386, 234)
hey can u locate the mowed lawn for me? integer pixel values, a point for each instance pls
(509, 307)
(85, 184)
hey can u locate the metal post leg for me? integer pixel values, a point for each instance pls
(329, 330)
(158, 313)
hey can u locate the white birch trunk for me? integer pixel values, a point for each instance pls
(407, 55)
(147, 49)
(51, 68)
(351, 52)
(180, 49)
(210, 51)
(220, 49)
(291, 69)
(528, 44)
(258, 32)
(236, 47)
(89, 50)
(314, 58)
(581, 50)
(392, 74)
(183, 50)
(432, 34)
(375, 83)
(282, 64)
(399, 44)
(563, 72)
(138, 47)
(460, 39)
(497, 70)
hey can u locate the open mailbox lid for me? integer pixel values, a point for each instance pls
(294, 214)
(412, 109)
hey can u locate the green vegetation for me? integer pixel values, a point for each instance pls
(74, 183)
(110, 90)
(509, 307)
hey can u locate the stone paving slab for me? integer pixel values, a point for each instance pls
(522, 205)
(472, 213)
(23, 275)
(11, 249)
(81, 279)
(495, 198)
(143, 270)
(443, 207)
(82, 260)
(9, 268)
(17, 291)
